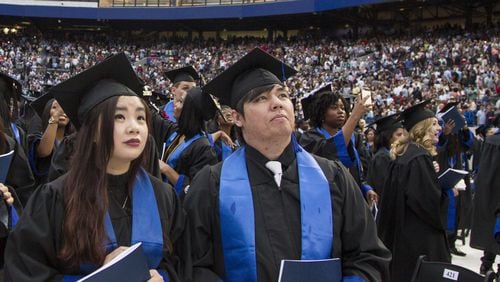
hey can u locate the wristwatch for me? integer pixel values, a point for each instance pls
(52, 120)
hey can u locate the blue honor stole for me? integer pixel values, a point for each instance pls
(146, 224)
(15, 132)
(237, 218)
(342, 148)
(176, 154)
(226, 150)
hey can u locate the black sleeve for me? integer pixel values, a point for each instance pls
(31, 251)
(199, 155)
(356, 242)
(364, 155)
(151, 162)
(161, 129)
(315, 143)
(423, 194)
(200, 206)
(59, 163)
(175, 261)
(20, 176)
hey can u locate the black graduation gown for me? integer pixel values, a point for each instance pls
(446, 159)
(487, 196)
(161, 130)
(23, 138)
(33, 246)
(410, 216)
(377, 172)
(315, 143)
(277, 221)
(20, 176)
(193, 158)
(40, 166)
(59, 163)
(19, 180)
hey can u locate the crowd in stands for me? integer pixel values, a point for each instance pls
(447, 63)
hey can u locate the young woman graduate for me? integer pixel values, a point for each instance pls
(18, 180)
(333, 133)
(411, 211)
(190, 150)
(245, 218)
(56, 125)
(388, 130)
(78, 222)
(10, 92)
(20, 176)
(454, 151)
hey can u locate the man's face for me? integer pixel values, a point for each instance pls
(267, 116)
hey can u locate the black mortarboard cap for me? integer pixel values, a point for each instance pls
(390, 122)
(39, 104)
(183, 74)
(15, 87)
(415, 114)
(255, 69)
(112, 77)
(311, 97)
(203, 102)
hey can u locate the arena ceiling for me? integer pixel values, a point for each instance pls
(402, 12)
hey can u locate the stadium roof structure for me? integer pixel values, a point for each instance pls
(270, 15)
(238, 11)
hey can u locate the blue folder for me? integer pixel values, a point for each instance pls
(325, 270)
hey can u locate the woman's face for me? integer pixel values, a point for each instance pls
(397, 134)
(130, 129)
(335, 115)
(370, 136)
(57, 111)
(433, 131)
(228, 118)
(179, 103)
(362, 123)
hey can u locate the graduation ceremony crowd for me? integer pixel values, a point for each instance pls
(224, 158)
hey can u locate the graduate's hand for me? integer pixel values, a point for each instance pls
(155, 276)
(359, 107)
(114, 253)
(164, 167)
(436, 166)
(226, 139)
(371, 196)
(448, 127)
(6, 195)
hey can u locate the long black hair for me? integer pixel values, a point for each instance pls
(85, 186)
(191, 120)
(383, 139)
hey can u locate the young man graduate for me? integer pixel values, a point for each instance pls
(244, 218)
(183, 79)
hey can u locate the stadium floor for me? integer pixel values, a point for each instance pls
(473, 259)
